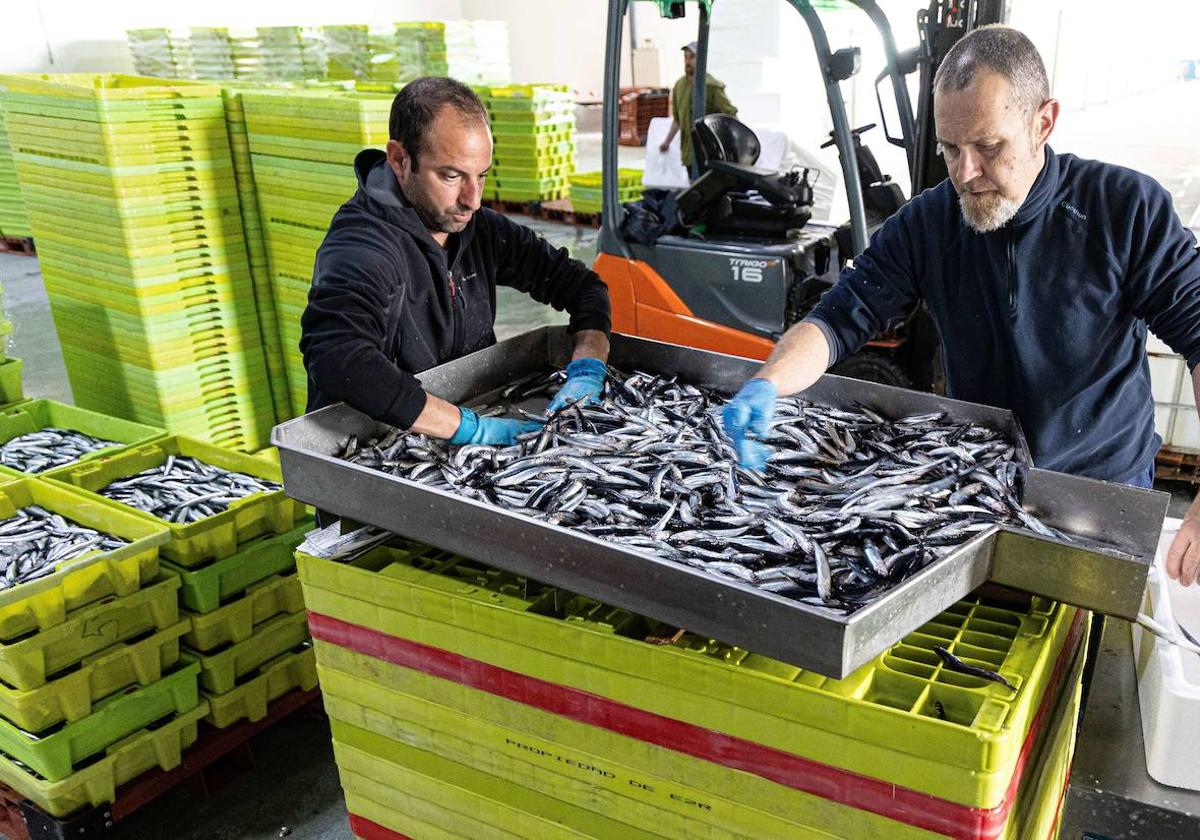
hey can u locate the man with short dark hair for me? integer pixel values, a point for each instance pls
(1042, 272)
(715, 102)
(406, 277)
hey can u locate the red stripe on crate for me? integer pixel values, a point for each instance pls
(864, 793)
(368, 830)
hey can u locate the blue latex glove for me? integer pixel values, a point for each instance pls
(489, 431)
(747, 420)
(585, 378)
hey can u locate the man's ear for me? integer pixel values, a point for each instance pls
(398, 159)
(1044, 121)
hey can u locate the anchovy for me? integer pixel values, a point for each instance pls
(955, 664)
(186, 489)
(851, 503)
(34, 541)
(51, 447)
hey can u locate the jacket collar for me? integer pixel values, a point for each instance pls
(382, 196)
(1042, 192)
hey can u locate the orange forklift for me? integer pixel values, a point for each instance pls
(744, 262)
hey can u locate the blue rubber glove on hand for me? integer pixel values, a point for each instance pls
(585, 379)
(489, 431)
(747, 420)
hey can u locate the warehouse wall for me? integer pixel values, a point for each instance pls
(78, 35)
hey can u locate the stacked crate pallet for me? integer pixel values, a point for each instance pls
(256, 250)
(10, 368)
(245, 628)
(347, 51)
(13, 220)
(302, 145)
(142, 251)
(533, 129)
(165, 53)
(464, 700)
(587, 195)
(94, 689)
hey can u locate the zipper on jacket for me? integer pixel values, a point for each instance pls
(1012, 272)
(453, 287)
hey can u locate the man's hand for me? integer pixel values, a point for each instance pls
(489, 431)
(1183, 557)
(664, 146)
(747, 420)
(585, 381)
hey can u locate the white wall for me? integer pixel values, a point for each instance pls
(89, 36)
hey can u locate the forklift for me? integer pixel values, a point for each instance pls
(751, 264)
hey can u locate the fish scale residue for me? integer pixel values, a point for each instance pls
(849, 505)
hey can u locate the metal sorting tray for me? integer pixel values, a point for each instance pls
(1106, 579)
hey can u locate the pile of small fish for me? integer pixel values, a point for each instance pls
(35, 540)
(850, 504)
(48, 448)
(185, 490)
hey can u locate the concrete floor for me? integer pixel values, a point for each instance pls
(293, 790)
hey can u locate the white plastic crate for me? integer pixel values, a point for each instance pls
(1169, 677)
(1175, 417)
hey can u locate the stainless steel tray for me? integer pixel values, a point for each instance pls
(1109, 580)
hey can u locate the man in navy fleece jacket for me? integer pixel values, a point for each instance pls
(1042, 272)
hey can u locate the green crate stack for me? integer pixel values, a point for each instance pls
(142, 250)
(13, 219)
(237, 581)
(587, 195)
(464, 697)
(164, 53)
(302, 145)
(10, 368)
(94, 689)
(533, 129)
(347, 51)
(211, 52)
(256, 250)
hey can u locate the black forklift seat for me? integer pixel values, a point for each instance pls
(732, 197)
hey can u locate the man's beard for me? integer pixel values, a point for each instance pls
(988, 212)
(436, 220)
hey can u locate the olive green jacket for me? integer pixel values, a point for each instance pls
(715, 102)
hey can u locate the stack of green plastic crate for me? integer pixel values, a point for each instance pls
(10, 368)
(303, 145)
(13, 221)
(256, 250)
(94, 689)
(212, 53)
(245, 622)
(159, 52)
(347, 51)
(533, 128)
(587, 195)
(131, 194)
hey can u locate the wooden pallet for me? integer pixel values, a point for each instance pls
(514, 208)
(20, 819)
(1177, 465)
(562, 211)
(17, 245)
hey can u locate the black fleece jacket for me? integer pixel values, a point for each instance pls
(1046, 316)
(388, 302)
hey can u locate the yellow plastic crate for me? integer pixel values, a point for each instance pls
(236, 621)
(880, 722)
(97, 783)
(296, 669)
(44, 603)
(214, 536)
(681, 796)
(419, 794)
(221, 670)
(28, 662)
(70, 696)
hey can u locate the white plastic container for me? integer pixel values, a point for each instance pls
(1175, 417)
(1169, 677)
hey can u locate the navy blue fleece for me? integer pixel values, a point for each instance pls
(1046, 316)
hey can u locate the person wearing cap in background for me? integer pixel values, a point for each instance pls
(715, 102)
